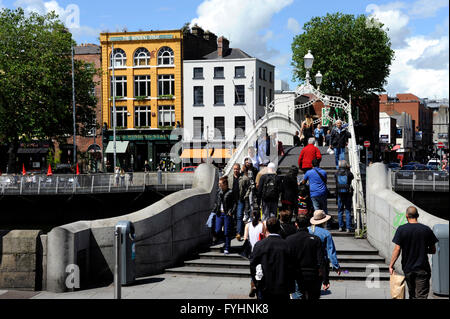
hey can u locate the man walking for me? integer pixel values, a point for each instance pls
(307, 155)
(270, 265)
(317, 178)
(225, 210)
(268, 192)
(344, 195)
(308, 260)
(415, 241)
(237, 199)
(339, 140)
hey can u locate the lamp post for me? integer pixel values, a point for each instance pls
(73, 107)
(309, 60)
(114, 106)
(318, 80)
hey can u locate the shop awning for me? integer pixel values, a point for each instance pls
(194, 153)
(32, 151)
(121, 147)
(217, 153)
(223, 153)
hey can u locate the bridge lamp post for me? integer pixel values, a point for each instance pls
(309, 60)
(318, 80)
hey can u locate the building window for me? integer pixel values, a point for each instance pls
(122, 115)
(270, 77)
(239, 97)
(166, 115)
(198, 95)
(219, 128)
(198, 128)
(142, 116)
(142, 85)
(239, 72)
(166, 84)
(239, 127)
(198, 73)
(219, 95)
(219, 73)
(141, 57)
(165, 56)
(260, 73)
(121, 86)
(264, 96)
(264, 74)
(119, 57)
(259, 95)
(270, 96)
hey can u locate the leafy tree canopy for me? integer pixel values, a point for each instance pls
(352, 53)
(36, 79)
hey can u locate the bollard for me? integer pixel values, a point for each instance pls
(117, 268)
(159, 176)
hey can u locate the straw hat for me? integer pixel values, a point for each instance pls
(319, 217)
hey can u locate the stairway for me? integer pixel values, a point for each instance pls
(356, 257)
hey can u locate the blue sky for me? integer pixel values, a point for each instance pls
(265, 29)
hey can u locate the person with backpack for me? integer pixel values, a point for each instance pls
(344, 194)
(305, 206)
(339, 140)
(268, 192)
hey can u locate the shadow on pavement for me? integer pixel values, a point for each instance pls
(144, 281)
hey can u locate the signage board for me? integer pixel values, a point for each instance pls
(384, 138)
(366, 143)
(142, 37)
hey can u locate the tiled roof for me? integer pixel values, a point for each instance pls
(231, 53)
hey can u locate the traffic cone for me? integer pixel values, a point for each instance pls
(78, 170)
(24, 172)
(49, 171)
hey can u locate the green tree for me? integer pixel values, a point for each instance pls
(36, 81)
(352, 53)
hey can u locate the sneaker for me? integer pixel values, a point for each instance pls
(226, 252)
(347, 230)
(340, 229)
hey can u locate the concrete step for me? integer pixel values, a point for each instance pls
(220, 256)
(359, 276)
(346, 258)
(362, 267)
(211, 271)
(218, 263)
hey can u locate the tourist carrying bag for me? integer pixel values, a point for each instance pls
(397, 283)
(329, 195)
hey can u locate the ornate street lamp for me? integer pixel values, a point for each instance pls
(309, 60)
(318, 80)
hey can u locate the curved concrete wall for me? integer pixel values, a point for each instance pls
(166, 232)
(386, 211)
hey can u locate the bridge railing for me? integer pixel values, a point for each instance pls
(92, 183)
(421, 181)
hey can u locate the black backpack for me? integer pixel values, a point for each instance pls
(270, 191)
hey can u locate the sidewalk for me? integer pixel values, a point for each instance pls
(168, 286)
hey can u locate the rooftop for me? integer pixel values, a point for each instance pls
(231, 53)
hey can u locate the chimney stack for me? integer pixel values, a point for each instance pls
(222, 46)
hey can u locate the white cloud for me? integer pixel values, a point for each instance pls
(427, 8)
(413, 72)
(394, 20)
(70, 15)
(293, 25)
(246, 27)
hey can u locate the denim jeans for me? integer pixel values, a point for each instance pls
(239, 217)
(418, 284)
(320, 202)
(345, 203)
(269, 210)
(339, 154)
(227, 222)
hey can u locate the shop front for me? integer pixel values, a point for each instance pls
(33, 156)
(133, 150)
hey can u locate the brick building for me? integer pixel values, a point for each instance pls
(89, 148)
(421, 115)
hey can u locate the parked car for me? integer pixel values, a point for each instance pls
(188, 169)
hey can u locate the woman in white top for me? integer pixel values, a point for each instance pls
(252, 232)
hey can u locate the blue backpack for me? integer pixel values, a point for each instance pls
(342, 185)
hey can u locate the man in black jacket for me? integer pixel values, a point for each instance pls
(225, 211)
(270, 265)
(338, 141)
(308, 262)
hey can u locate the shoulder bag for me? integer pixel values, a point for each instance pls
(329, 195)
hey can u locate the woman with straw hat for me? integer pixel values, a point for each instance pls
(318, 221)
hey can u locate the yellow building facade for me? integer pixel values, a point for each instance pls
(149, 104)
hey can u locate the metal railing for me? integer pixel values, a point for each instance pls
(420, 181)
(93, 183)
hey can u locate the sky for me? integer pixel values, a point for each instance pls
(418, 29)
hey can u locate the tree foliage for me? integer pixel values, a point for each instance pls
(352, 53)
(36, 79)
